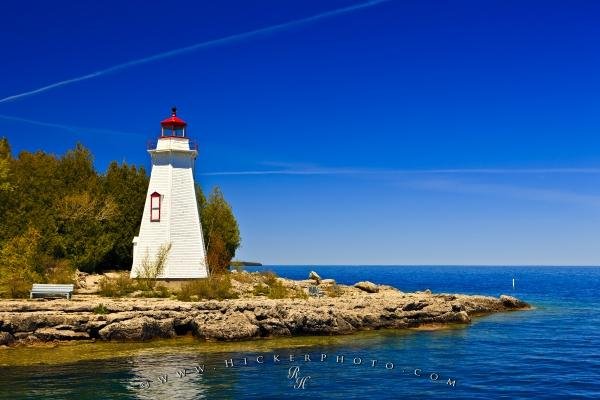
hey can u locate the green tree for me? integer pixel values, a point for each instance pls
(35, 186)
(127, 186)
(76, 169)
(21, 264)
(5, 157)
(82, 221)
(5, 184)
(221, 232)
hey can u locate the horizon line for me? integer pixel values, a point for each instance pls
(432, 265)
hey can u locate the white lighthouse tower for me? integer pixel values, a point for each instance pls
(171, 212)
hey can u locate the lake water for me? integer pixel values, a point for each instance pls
(551, 352)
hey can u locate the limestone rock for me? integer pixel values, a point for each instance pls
(140, 328)
(273, 327)
(6, 338)
(48, 334)
(314, 276)
(512, 302)
(367, 286)
(414, 306)
(366, 306)
(234, 327)
(463, 317)
(458, 307)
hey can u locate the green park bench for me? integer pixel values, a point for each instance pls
(51, 290)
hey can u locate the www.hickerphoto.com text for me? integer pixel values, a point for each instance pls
(301, 360)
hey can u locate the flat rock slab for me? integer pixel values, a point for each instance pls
(365, 306)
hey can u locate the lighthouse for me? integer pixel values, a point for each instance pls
(170, 219)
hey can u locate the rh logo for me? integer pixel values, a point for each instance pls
(299, 381)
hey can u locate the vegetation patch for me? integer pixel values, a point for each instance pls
(274, 288)
(150, 268)
(333, 291)
(159, 291)
(216, 287)
(242, 277)
(119, 286)
(100, 309)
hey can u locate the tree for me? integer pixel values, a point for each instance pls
(5, 157)
(76, 169)
(5, 185)
(35, 185)
(21, 264)
(127, 186)
(221, 232)
(82, 220)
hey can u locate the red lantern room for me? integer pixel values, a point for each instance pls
(173, 126)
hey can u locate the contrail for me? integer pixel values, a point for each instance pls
(69, 128)
(334, 171)
(210, 43)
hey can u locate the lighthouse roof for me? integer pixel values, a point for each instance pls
(173, 122)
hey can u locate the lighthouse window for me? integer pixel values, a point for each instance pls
(155, 207)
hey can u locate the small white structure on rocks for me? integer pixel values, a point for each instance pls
(171, 213)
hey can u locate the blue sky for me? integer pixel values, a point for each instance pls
(382, 132)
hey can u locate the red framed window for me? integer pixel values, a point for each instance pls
(155, 200)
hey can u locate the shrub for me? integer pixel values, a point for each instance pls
(160, 291)
(261, 290)
(333, 291)
(242, 277)
(268, 277)
(216, 287)
(100, 309)
(273, 288)
(61, 271)
(299, 294)
(150, 269)
(120, 286)
(278, 291)
(21, 264)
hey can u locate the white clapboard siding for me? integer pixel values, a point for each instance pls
(172, 177)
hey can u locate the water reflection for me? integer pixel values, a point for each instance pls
(160, 377)
(192, 369)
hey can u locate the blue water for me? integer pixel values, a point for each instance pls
(551, 352)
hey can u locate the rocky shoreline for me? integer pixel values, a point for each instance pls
(90, 317)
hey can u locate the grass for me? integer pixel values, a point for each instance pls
(216, 287)
(333, 290)
(123, 285)
(100, 309)
(242, 277)
(268, 277)
(159, 291)
(120, 286)
(273, 288)
(261, 290)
